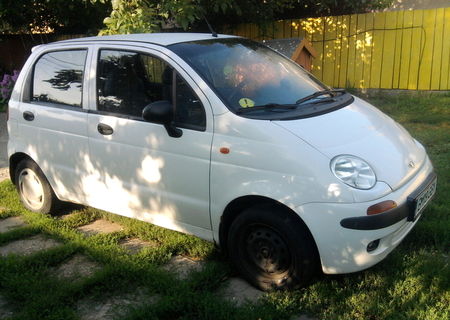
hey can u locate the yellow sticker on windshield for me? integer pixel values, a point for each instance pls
(227, 70)
(246, 103)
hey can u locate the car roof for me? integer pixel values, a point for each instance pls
(163, 39)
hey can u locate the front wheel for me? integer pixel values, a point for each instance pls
(272, 249)
(35, 192)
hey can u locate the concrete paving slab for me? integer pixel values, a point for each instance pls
(29, 245)
(4, 173)
(182, 266)
(5, 309)
(113, 307)
(100, 226)
(11, 223)
(240, 291)
(77, 267)
(134, 245)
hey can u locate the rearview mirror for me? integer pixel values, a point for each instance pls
(161, 112)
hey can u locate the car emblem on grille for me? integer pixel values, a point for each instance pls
(411, 164)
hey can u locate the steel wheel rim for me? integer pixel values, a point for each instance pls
(267, 251)
(31, 189)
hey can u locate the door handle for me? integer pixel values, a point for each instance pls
(105, 129)
(28, 115)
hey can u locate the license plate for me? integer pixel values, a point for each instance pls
(418, 202)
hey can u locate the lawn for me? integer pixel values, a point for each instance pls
(412, 283)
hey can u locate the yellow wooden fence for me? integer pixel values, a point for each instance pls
(388, 50)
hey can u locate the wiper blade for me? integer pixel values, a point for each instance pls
(267, 106)
(332, 92)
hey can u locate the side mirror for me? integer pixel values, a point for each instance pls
(161, 112)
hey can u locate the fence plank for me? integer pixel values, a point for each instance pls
(338, 49)
(445, 68)
(368, 48)
(398, 50)
(377, 53)
(406, 51)
(424, 78)
(329, 60)
(359, 50)
(344, 51)
(437, 49)
(388, 50)
(417, 49)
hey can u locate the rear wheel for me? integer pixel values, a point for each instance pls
(272, 249)
(34, 190)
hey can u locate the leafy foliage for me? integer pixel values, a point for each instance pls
(7, 85)
(133, 16)
(60, 16)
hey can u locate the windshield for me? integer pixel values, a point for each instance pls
(245, 73)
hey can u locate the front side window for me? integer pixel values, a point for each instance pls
(58, 78)
(128, 81)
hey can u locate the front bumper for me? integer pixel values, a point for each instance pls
(342, 233)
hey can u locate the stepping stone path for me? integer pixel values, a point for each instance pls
(5, 310)
(11, 223)
(100, 226)
(112, 307)
(183, 266)
(4, 174)
(29, 245)
(240, 291)
(76, 267)
(80, 266)
(134, 245)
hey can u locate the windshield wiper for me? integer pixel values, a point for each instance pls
(267, 106)
(332, 92)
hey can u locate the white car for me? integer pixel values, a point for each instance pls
(222, 138)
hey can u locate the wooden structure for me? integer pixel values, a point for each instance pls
(298, 49)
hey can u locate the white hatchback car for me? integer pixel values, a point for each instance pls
(222, 138)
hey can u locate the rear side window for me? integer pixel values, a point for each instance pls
(58, 78)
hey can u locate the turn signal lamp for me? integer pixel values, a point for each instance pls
(381, 207)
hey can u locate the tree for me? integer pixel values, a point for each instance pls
(59, 16)
(132, 16)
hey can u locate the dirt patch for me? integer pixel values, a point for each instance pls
(240, 291)
(78, 266)
(182, 266)
(134, 245)
(11, 223)
(5, 310)
(4, 173)
(100, 226)
(113, 307)
(28, 246)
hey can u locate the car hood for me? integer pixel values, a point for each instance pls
(362, 130)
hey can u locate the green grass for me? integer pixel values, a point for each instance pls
(412, 283)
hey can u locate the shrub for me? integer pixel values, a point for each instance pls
(7, 85)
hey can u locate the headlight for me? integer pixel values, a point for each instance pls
(353, 171)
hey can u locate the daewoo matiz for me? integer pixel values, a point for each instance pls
(222, 138)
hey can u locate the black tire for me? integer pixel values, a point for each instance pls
(35, 192)
(272, 249)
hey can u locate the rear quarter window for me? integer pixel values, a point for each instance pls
(58, 78)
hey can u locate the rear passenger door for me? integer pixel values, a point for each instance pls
(53, 125)
(138, 170)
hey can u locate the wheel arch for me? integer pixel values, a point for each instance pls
(238, 205)
(14, 160)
